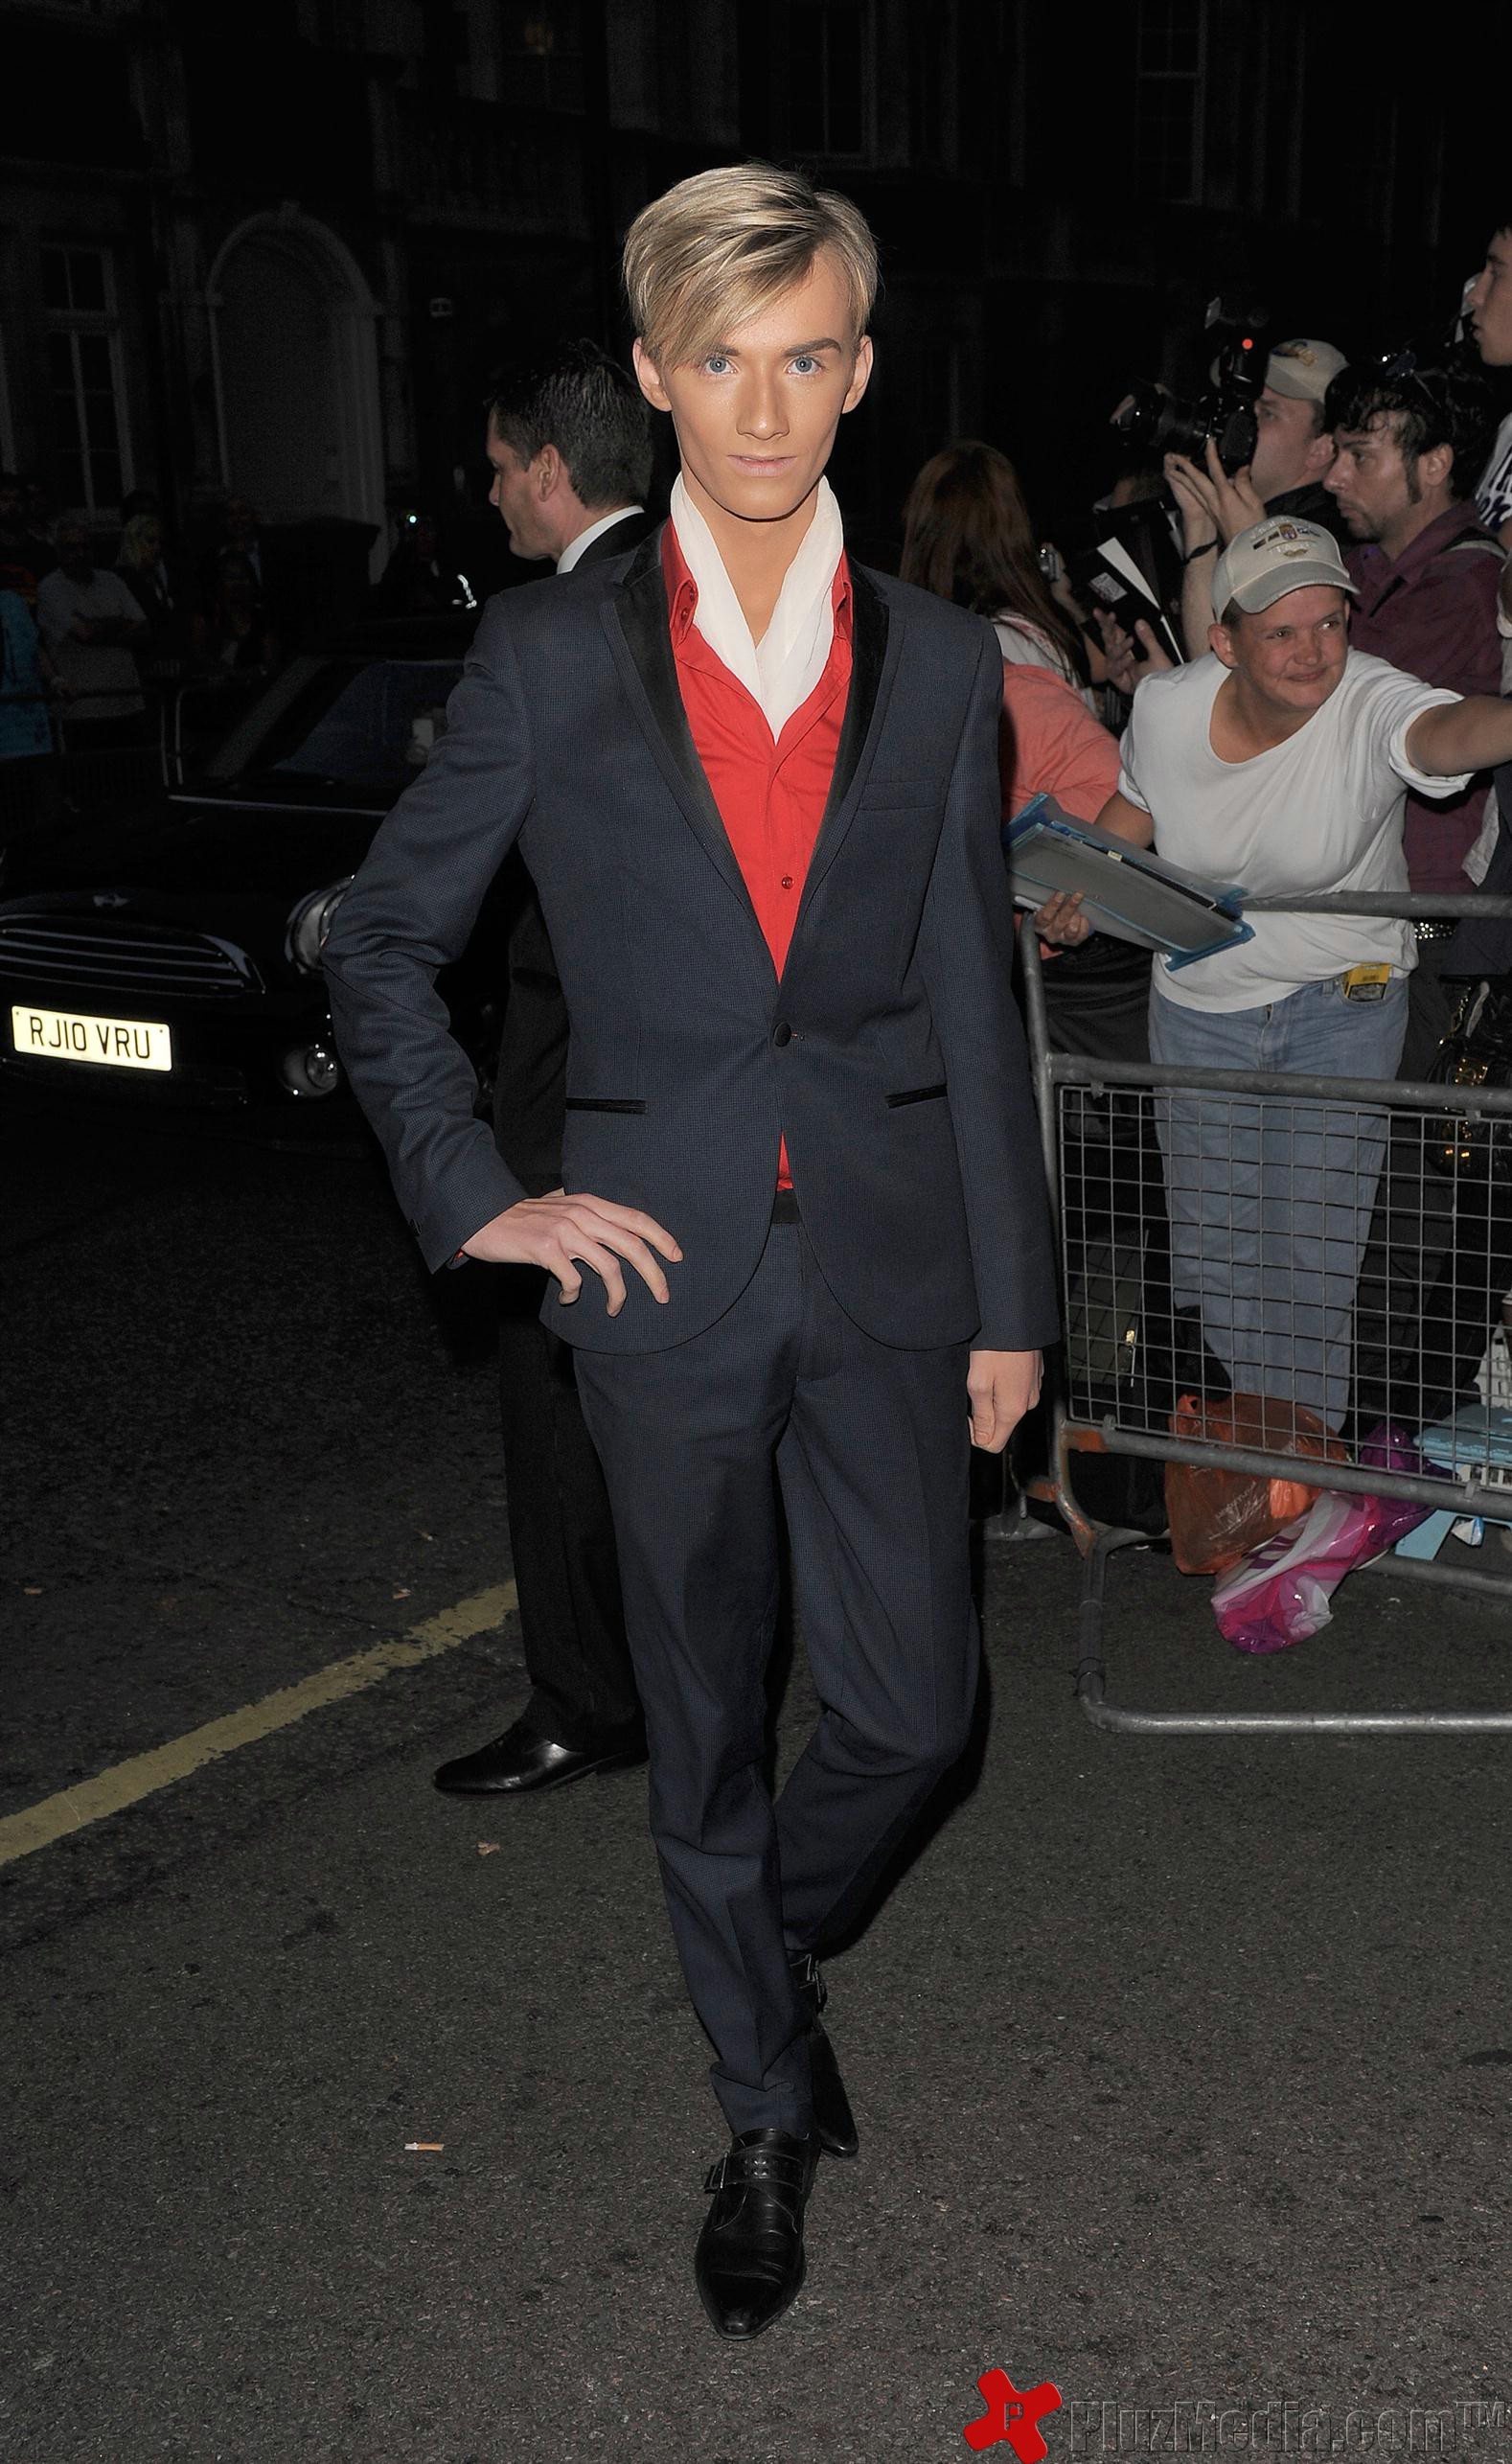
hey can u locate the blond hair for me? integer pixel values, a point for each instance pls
(720, 247)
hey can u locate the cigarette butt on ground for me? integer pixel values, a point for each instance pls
(423, 2147)
(488, 1848)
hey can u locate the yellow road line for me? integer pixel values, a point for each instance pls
(126, 1784)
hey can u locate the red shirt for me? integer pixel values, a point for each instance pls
(770, 797)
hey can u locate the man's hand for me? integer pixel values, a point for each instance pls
(1002, 1387)
(1131, 656)
(1212, 502)
(1061, 923)
(560, 1234)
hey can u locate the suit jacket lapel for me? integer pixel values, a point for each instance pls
(636, 619)
(874, 660)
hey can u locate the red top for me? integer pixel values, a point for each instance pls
(770, 797)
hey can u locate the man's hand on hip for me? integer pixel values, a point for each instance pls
(562, 1233)
(1002, 1386)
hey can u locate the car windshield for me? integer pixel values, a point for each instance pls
(363, 727)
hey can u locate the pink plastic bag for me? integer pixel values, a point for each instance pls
(1280, 1592)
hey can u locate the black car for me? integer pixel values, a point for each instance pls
(167, 952)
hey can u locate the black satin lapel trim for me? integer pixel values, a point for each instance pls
(868, 651)
(636, 619)
(866, 703)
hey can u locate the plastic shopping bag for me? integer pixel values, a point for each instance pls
(1217, 1517)
(1281, 1593)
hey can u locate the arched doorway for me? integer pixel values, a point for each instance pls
(296, 372)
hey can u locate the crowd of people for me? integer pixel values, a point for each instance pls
(94, 644)
(102, 628)
(1344, 604)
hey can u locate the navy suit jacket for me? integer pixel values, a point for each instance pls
(888, 1053)
(531, 1081)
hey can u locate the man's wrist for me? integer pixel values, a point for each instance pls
(1203, 547)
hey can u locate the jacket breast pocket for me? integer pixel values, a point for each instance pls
(916, 1095)
(604, 1104)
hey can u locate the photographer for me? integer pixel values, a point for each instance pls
(1284, 475)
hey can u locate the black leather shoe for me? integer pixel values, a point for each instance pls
(521, 1762)
(749, 2261)
(833, 2122)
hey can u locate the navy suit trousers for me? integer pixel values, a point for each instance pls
(868, 1446)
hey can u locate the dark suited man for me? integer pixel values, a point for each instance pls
(802, 1244)
(569, 442)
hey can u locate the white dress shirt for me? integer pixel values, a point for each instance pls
(585, 537)
(780, 671)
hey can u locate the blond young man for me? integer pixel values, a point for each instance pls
(801, 1244)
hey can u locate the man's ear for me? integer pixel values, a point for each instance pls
(1220, 642)
(548, 469)
(649, 377)
(1320, 455)
(861, 375)
(1437, 463)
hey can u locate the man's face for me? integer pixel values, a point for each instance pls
(73, 549)
(1291, 655)
(516, 497)
(1490, 303)
(241, 518)
(756, 416)
(1288, 450)
(1375, 489)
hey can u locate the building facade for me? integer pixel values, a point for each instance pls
(277, 256)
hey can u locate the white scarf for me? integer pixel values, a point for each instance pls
(782, 671)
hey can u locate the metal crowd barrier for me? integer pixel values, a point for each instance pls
(1410, 1234)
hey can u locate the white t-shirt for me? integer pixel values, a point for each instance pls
(1322, 811)
(1494, 494)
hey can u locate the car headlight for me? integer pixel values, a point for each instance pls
(309, 923)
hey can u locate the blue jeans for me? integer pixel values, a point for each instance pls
(1271, 1200)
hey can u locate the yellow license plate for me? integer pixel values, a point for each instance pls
(109, 1043)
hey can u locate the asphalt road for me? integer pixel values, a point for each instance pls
(1182, 2068)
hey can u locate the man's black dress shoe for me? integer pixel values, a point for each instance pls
(749, 2261)
(520, 1762)
(834, 2122)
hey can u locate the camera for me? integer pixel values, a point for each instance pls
(1151, 422)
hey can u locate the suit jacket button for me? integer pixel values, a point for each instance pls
(782, 1033)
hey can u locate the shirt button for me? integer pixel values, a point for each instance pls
(782, 1033)
(786, 881)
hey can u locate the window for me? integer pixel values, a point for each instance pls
(828, 77)
(91, 449)
(540, 55)
(1169, 99)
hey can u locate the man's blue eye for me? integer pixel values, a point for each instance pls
(804, 360)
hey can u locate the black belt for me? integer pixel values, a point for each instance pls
(1436, 928)
(785, 1208)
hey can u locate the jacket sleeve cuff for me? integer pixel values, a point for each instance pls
(475, 1190)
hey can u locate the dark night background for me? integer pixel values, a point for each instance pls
(279, 250)
(345, 2121)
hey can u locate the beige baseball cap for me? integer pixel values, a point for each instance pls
(1271, 558)
(1302, 369)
